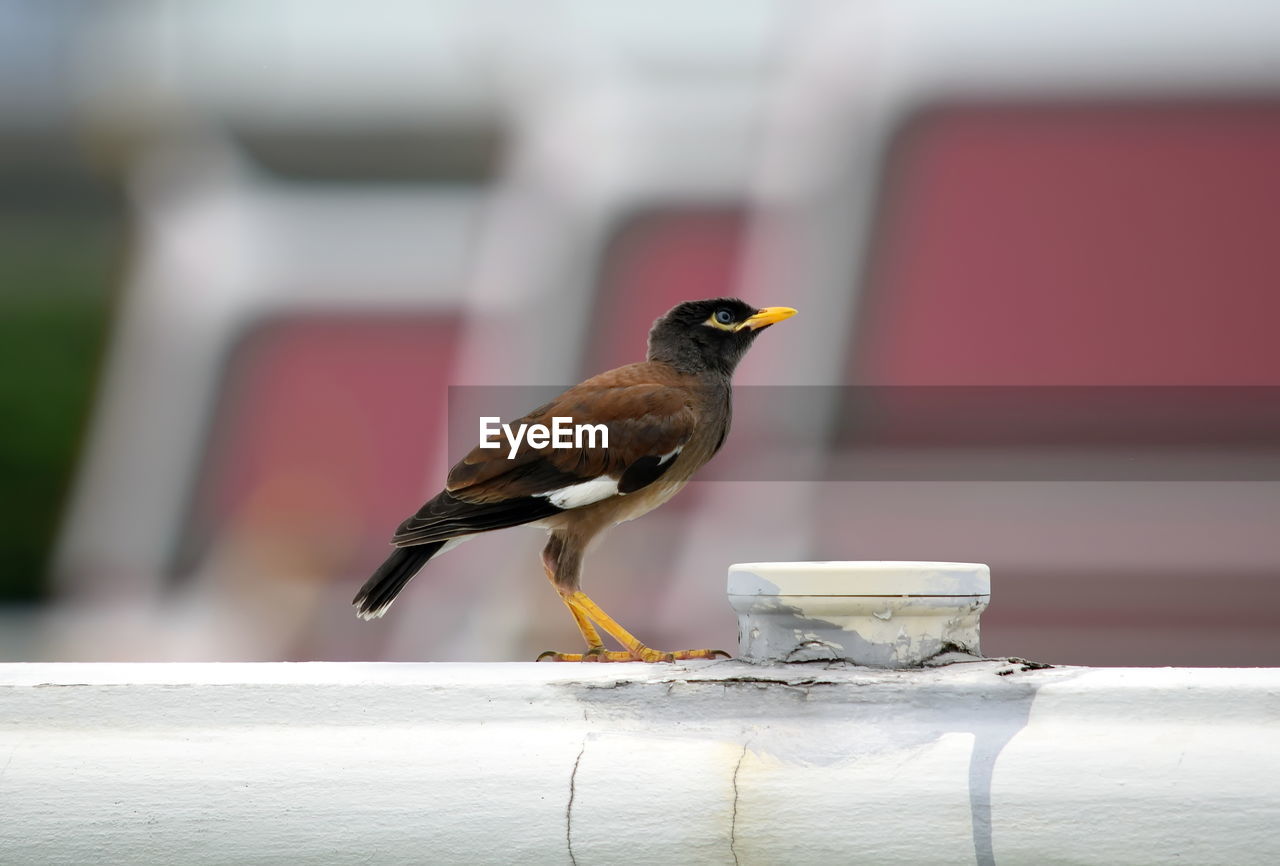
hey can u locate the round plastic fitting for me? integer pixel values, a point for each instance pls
(880, 614)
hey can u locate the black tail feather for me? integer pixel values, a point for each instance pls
(379, 591)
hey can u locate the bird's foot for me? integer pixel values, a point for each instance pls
(643, 654)
(596, 655)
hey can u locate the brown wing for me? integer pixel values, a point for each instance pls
(647, 424)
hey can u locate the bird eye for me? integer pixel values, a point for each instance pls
(724, 317)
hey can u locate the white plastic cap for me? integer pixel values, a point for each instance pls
(869, 578)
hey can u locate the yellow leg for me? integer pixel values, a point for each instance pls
(595, 646)
(585, 611)
(589, 633)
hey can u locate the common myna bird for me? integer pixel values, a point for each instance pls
(664, 417)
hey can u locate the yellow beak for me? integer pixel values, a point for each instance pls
(766, 317)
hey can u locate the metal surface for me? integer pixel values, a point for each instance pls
(714, 762)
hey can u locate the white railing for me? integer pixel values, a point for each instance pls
(704, 762)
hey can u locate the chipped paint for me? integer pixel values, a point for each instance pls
(882, 614)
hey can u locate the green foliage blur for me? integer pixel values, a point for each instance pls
(60, 235)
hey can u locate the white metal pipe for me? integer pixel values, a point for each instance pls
(711, 762)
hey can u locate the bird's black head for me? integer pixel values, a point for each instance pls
(712, 335)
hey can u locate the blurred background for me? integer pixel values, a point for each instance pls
(246, 249)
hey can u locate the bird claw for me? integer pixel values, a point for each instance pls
(699, 654)
(645, 654)
(651, 655)
(596, 654)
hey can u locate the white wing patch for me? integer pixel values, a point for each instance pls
(584, 493)
(672, 453)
